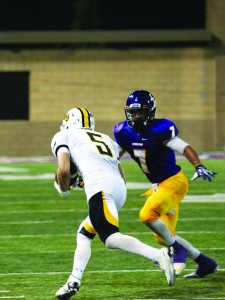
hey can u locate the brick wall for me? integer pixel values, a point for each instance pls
(215, 18)
(216, 24)
(181, 79)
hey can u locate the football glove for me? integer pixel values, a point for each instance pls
(202, 171)
(78, 183)
(62, 194)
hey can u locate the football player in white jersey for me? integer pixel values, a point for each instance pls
(95, 156)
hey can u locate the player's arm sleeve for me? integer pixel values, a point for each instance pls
(59, 141)
(177, 144)
(62, 149)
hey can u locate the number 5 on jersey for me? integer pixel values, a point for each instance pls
(103, 148)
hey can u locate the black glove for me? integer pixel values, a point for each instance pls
(202, 171)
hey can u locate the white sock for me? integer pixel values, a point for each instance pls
(160, 228)
(81, 256)
(130, 244)
(193, 253)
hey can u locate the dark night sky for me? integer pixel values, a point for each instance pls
(101, 14)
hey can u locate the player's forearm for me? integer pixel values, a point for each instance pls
(192, 156)
(63, 179)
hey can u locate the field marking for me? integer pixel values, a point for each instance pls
(93, 272)
(43, 211)
(46, 176)
(125, 232)
(176, 298)
(33, 222)
(13, 170)
(96, 250)
(179, 298)
(37, 222)
(12, 297)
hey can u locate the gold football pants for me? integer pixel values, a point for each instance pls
(163, 203)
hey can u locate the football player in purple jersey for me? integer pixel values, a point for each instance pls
(152, 143)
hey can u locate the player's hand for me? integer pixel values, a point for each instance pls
(202, 171)
(80, 182)
(62, 194)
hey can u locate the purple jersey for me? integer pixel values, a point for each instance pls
(157, 161)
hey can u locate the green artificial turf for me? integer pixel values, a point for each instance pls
(38, 238)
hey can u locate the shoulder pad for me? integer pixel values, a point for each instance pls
(165, 128)
(118, 127)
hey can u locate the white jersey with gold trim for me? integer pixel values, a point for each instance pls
(95, 154)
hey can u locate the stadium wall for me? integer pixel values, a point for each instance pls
(183, 81)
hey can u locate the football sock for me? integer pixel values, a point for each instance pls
(160, 228)
(201, 259)
(193, 253)
(130, 244)
(81, 256)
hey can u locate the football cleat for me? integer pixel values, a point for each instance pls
(203, 270)
(164, 260)
(69, 289)
(179, 268)
(179, 260)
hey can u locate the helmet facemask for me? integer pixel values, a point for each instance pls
(139, 117)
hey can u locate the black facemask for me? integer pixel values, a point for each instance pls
(138, 126)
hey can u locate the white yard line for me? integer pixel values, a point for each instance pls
(28, 177)
(72, 221)
(12, 170)
(128, 232)
(12, 297)
(92, 272)
(96, 250)
(176, 298)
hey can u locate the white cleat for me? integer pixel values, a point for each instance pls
(69, 289)
(192, 275)
(179, 268)
(164, 260)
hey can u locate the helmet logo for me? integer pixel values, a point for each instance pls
(66, 117)
(135, 105)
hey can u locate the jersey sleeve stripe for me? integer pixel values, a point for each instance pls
(60, 146)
